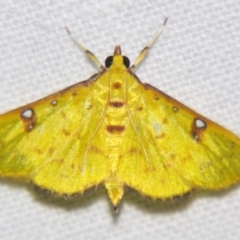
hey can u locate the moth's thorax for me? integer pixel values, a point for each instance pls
(116, 112)
(116, 78)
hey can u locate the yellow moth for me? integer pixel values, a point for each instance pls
(114, 130)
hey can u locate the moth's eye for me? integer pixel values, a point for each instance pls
(126, 62)
(108, 61)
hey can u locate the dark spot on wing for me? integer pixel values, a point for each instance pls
(117, 85)
(175, 109)
(29, 119)
(198, 127)
(115, 129)
(116, 104)
(54, 102)
(156, 97)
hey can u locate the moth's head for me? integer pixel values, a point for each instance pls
(117, 60)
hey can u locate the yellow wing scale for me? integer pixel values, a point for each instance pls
(176, 159)
(51, 154)
(116, 131)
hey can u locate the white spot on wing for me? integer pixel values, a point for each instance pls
(30, 127)
(87, 105)
(200, 123)
(54, 102)
(27, 113)
(175, 109)
(156, 127)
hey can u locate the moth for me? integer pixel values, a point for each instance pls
(114, 130)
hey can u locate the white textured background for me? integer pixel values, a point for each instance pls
(196, 60)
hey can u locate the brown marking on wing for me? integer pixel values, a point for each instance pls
(116, 104)
(156, 97)
(89, 106)
(97, 150)
(73, 166)
(65, 132)
(78, 135)
(187, 158)
(172, 156)
(175, 109)
(160, 136)
(117, 85)
(38, 151)
(63, 115)
(51, 151)
(133, 150)
(59, 160)
(198, 127)
(115, 129)
(165, 121)
(54, 102)
(29, 119)
(167, 166)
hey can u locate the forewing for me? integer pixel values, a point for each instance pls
(176, 149)
(47, 142)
